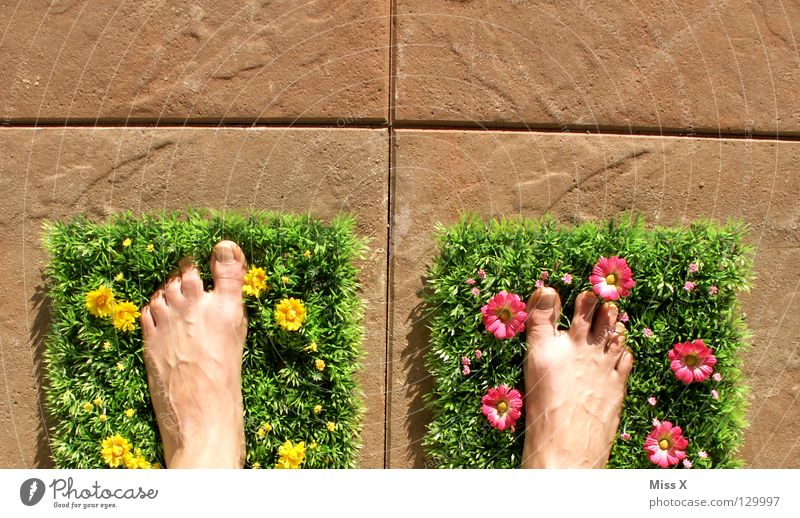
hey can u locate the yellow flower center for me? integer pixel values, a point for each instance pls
(504, 314)
(611, 279)
(663, 444)
(502, 407)
(691, 360)
(292, 314)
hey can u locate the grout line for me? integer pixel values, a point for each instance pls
(389, 220)
(393, 125)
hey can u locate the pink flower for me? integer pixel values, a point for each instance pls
(666, 445)
(647, 332)
(465, 361)
(702, 454)
(689, 286)
(713, 290)
(478, 354)
(475, 292)
(687, 463)
(501, 406)
(693, 267)
(539, 284)
(504, 315)
(567, 278)
(652, 401)
(465, 370)
(544, 275)
(656, 422)
(470, 282)
(624, 318)
(625, 436)
(692, 361)
(481, 274)
(717, 377)
(715, 394)
(612, 278)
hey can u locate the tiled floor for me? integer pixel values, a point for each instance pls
(406, 113)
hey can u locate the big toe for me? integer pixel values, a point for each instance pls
(544, 310)
(228, 268)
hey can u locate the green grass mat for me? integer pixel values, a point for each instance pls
(97, 386)
(513, 255)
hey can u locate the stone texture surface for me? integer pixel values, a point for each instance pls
(56, 173)
(576, 177)
(206, 60)
(727, 65)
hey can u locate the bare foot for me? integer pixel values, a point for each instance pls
(193, 343)
(574, 382)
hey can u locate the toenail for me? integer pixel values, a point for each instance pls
(224, 253)
(547, 300)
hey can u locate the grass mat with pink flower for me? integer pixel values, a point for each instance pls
(685, 294)
(298, 384)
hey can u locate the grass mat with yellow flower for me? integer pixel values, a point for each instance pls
(686, 284)
(303, 345)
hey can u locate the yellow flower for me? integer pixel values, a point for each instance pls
(97, 401)
(125, 315)
(127, 242)
(120, 366)
(100, 302)
(290, 314)
(88, 407)
(120, 277)
(150, 247)
(312, 347)
(331, 426)
(291, 455)
(313, 445)
(103, 418)
(285, 279)
(114, 450)
(255, 281)
(256, 465)
(263, 430)
(129, 412)
(136, 461)
(155, 465)
(106, 345)
(318, 409)
(307, 254)
(319, 364)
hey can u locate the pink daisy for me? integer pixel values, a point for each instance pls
(624, 318)
(504, 315)
(692, 361)
(702, 454)
(713, 290)
(481, 274)
(693, 267)
(465, 370)
(544, 275)
(687, 463)
(539, 284)
(501, 406)
(465, 361)
(612, 278)
(666, 445)
(689, 286)
(647, 332)
(717, 377)
(475, 292)
(715, 394)
(567, 278)
(478, 354)
(656, 422)
(625, 436)
(652, 401)
(470, 282)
